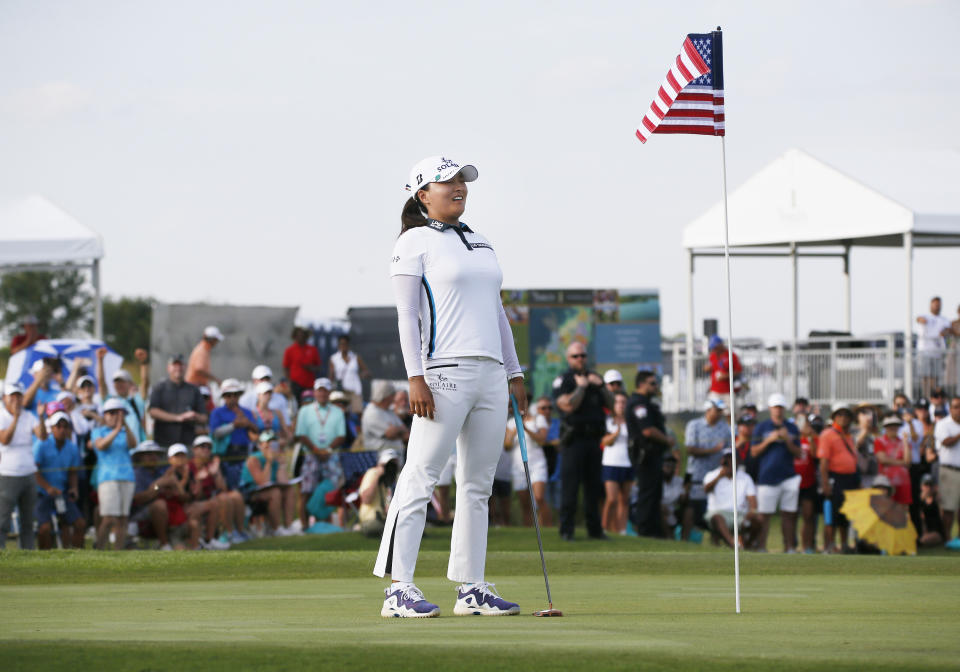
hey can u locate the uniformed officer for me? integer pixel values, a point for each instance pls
(581, 397)
(647, 441)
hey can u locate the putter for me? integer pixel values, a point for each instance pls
(549, 611)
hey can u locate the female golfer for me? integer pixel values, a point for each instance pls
(458, 361)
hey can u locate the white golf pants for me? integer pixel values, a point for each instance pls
(470, 395)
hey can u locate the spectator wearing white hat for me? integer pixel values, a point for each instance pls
(176, 407)
(234, 430)
(706, 438)
(321, 429)
(18, 483)
(114, 473)
(182, 505)
(347, 368)
(380, 426)
(613, 379)
(47, 371)
(58, 463)
(209, 489)
(263, 374)
(199, 366)
(266, 479)
(126, 389)
(776, 442)
(267, 418)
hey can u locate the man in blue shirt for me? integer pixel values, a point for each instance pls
(775, 443)
(58, 461)
(231, 426)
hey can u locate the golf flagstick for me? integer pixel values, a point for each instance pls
(733, 403)
(521, 436)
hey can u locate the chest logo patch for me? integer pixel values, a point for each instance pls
(640, 412)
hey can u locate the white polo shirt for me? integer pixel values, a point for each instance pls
(16, 457)
(459, 290)
(944, 429)
(721, 497)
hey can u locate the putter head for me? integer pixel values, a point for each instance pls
(548, 612)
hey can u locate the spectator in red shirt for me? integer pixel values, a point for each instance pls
(893, 458)
(719, 369)
(301, 361)
(31, 334)
(806, 466)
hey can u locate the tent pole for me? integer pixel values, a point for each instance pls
(793, 346)
(98, 308)
(908, 332)
(847, 318)
(691, 393)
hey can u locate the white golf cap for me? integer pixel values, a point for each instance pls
(12, 387)
(230, 386)
(612, 376)
(82, 380)
(322, 382)
(148, 446)
(776, 399)
(437, 169)
(387, 455)
(66, 395)
(177, 449)
(261, 371)
(714, 403)
(263, 387)
(201, 440)
(36, 366)
(122, 374)
(212, 332)
(57, 417)
(114, 404)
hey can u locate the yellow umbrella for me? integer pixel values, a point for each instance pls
(880, 520)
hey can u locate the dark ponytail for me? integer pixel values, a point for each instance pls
(413, 214)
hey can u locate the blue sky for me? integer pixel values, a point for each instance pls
(256, 152)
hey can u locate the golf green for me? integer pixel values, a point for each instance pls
(628, 604)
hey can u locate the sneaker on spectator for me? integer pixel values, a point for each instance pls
(284, 532)
(238, 537)
(166, 547)
(480, 599)
(404, 600)
(214, 545)
(953, 544)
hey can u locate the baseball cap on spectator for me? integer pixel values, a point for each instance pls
(86, 380)
(923, 403)
(387, 455)
(714, 403)
(263, 387)
(381, 390)
(612, 376)
(777, 399)
(892, 420)
(437, 169)
(339, 397)
(816, 422)
(205, 391)
(231, 386)
(66, 395)
(261, 371)
(266, 435)
(201, 440)
(177, 449)
(322, 382)
(881, 481)
(841, 409)
(59, 416)
(148, 446)
(714, 342)
(114, 404)
(747, 419)
(726, 451)
(122, 374)
(175, 359)
(941, 412)
(12, 387)
(212, 332)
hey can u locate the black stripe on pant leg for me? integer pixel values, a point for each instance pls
(389, 564)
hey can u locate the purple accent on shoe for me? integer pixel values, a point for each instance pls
(411, 600)
(486, 598)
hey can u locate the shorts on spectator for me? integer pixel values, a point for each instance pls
(784, 496)
(501, 488)
(231, 473)
(538, 471)
(930, 364)
(841, 483)
(46, 508)
(617, 474)
(115, 497)
(727, 518)
(810, 494)
(949, 488)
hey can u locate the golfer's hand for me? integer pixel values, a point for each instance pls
(421, 398)
(519, 393)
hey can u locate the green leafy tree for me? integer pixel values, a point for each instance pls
(126, 324)
(61, 300)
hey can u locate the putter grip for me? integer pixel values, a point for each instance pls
(521, 434)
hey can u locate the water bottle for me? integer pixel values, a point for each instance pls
(60, 504)
(828, 512)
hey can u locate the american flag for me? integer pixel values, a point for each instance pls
(690, 100)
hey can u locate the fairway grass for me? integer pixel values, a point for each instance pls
(628, 604)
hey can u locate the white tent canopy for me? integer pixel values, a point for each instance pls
(37, 235)
(797, 202)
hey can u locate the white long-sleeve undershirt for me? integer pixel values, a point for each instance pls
(406, 290)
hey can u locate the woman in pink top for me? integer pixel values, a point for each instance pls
(893, 459)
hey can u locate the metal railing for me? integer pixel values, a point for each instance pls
(829, 372)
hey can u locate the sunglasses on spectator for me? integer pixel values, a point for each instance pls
(577, 356)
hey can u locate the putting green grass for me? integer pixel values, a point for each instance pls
(628, 603)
